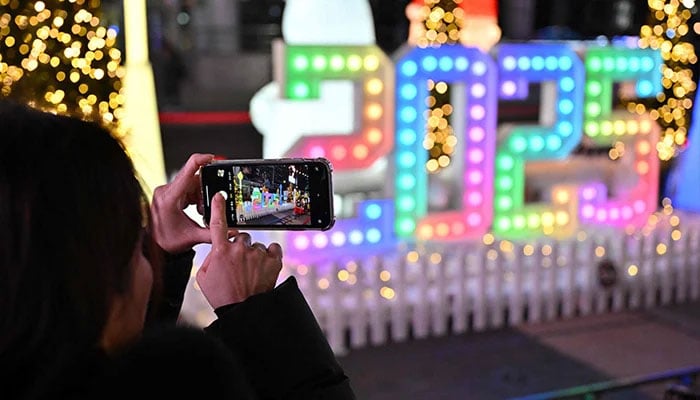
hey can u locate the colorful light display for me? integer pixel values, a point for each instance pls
(494, 177)
(579, 89)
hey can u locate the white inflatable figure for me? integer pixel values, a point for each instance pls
(328, 22)
(282, 122)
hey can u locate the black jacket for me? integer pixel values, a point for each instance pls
(267, 347)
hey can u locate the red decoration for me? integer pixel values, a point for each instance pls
(483, 8)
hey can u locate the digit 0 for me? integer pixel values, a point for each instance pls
(454, 65)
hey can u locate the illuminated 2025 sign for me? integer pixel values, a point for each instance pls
(493, 176)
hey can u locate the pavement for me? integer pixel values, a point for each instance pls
(533, 358)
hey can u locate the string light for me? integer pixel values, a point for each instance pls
(57, 57)
(443, 21)
(667, 32)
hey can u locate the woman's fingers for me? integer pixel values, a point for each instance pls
(274, 250)
(236, 269)
(218, 228)
(183, 179)
(243, 237)
(260, 246)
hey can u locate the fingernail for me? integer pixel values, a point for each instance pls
(224, 195)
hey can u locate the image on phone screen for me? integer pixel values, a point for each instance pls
(272, 194)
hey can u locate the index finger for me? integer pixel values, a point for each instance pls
(218, 227)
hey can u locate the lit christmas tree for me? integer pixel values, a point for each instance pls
(441, 24)
(669, 32)
(56, 55)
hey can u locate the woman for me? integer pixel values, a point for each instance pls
(86, 264)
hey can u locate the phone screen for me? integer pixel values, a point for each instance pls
(291, 194)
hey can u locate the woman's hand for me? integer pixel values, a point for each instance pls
(172, 229)
(234, 271)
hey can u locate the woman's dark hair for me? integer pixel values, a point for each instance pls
(71, 212)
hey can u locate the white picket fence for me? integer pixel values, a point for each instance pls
(252, 214)
(441, 289)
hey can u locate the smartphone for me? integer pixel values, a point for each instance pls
(275, 194)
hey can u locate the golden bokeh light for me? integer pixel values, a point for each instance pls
(668, 34)
(53, 58)
(442, 23)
